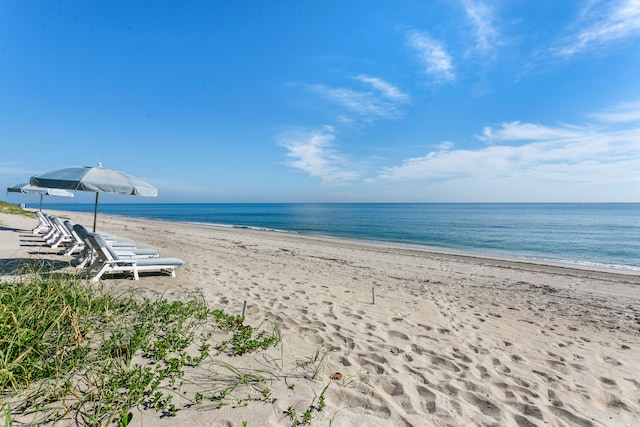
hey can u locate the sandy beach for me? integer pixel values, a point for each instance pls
(420, 338)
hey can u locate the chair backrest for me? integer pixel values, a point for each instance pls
(105, 252)
(43, 219)
(49, 218)
(81, 231)
(69, 225)
(60, 226)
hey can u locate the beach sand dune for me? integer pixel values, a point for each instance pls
(419, 338)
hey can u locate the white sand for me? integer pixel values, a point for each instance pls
(450, 340)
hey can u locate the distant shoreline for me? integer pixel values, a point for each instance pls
(533, 264)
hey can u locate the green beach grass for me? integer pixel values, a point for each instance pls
(13, 209)
(70, 349)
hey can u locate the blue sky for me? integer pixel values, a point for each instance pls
(327, 101)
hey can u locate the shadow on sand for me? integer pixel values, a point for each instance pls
(18, 266)
(10, 229)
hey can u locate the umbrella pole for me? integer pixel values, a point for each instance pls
(41, 203)
(95, 213)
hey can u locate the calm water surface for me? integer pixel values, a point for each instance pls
(601, 234)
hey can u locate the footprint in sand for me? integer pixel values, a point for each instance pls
(524, 422)
(612, 361)
(529, 410)
(571, 417)
(483, 405)
(344, 361)
(615, 403)
(444, 363)
(348, 341)
(484, 373)
(608, 382)
(392, 387)
(314, 339)
(417, 349)
(392, 349)
(544, 376)
(398, 334)
(553, 398)
(354, 316)
(427, 399)
(460, 355)
(478, 349)
(516, 358)
(370, 366)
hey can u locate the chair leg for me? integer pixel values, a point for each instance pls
(99, 274)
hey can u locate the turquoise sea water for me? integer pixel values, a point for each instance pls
(599, 234)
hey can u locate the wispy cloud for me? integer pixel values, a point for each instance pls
(602, 23)
(378, 100)
(312, 152)
(553, 154)
(624, 113)
(432, 55)
(481, 17)
(557, 162)
(386, 90)
(516, 131)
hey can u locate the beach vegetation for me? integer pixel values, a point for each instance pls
(244, 339)
(14, 209)
(307, 416)
(70, 349)
(313, 366)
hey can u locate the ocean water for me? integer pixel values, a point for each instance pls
(598, 234)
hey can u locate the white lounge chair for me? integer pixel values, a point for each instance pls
(88, 252)
(79, 243)
(62, 236)
(43, 226)
(113, 262)
(53, 232)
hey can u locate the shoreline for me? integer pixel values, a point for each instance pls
(536, 254)
(448, 339)
(625, 270)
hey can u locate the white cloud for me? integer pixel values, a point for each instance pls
(379, 100)
(432, 55)
(312, 152)
(387, 90)
(481, 17)
(549, 155)
(519, 162)
(446, 145)
(516, 131)
(602, 23)
(624, 113)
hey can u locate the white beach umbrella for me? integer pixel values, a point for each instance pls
(94, 179)
(42, 191)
